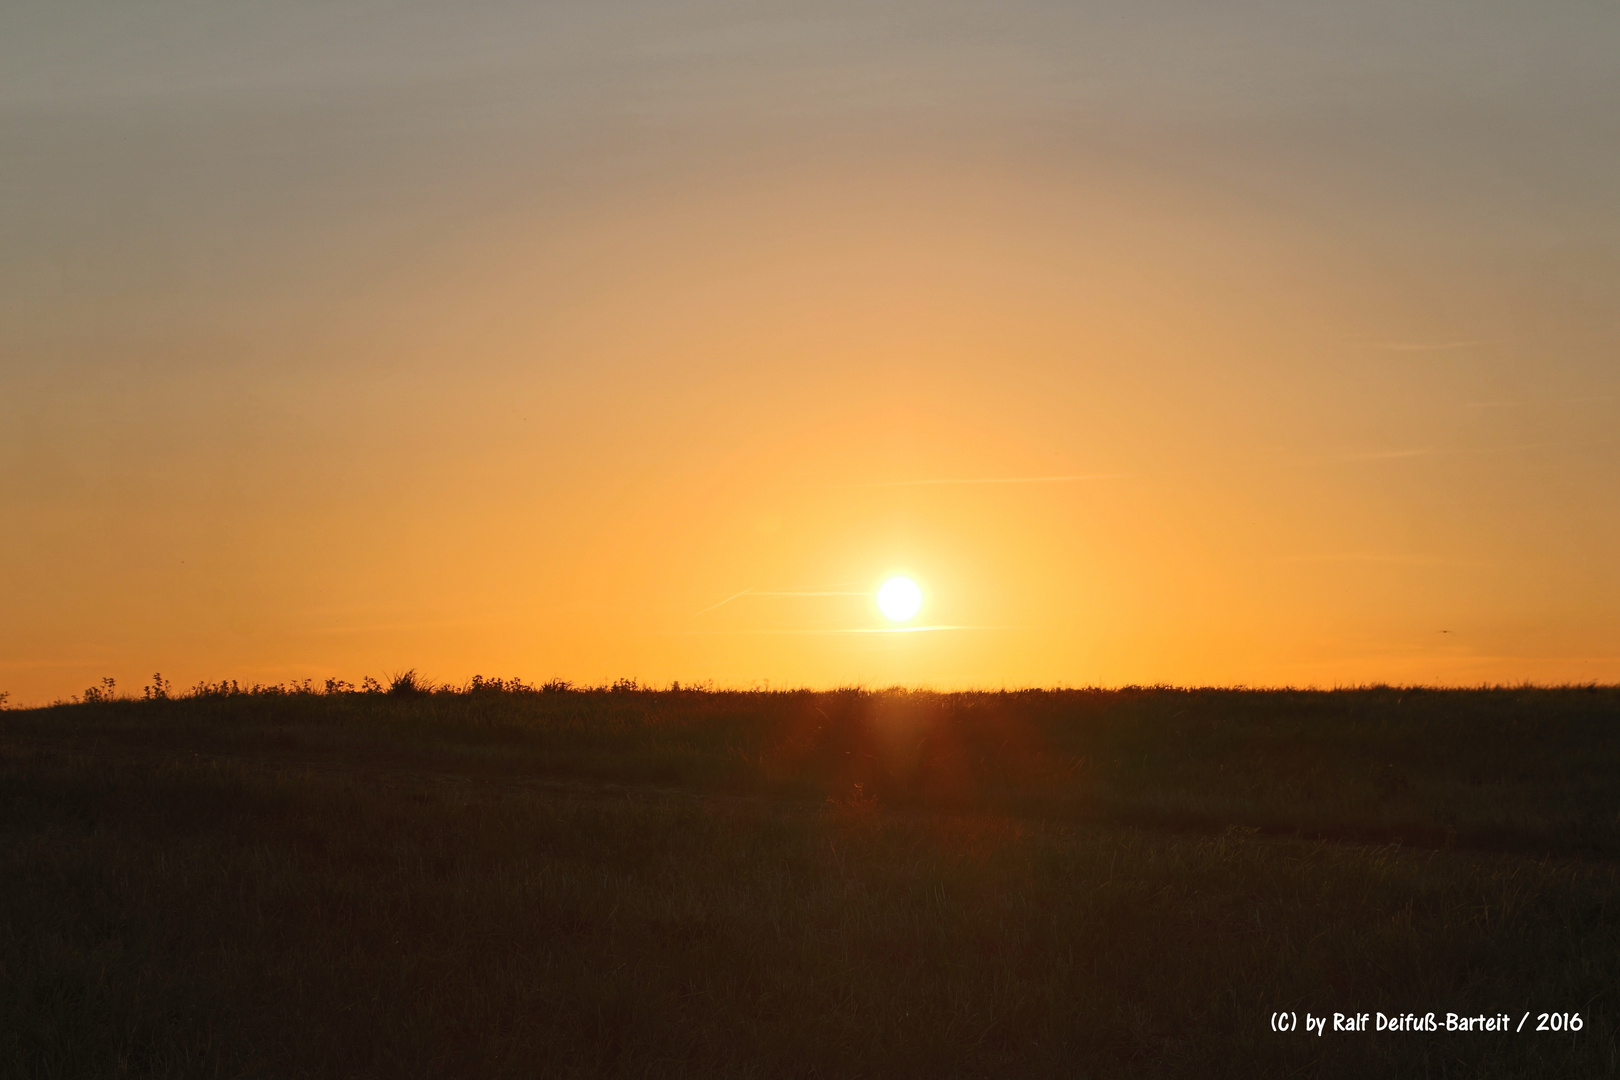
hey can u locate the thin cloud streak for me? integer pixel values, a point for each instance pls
(1225, 470)
(1306, 463)
(779, 594)
(921, 629)
(1419, 346)
(1367, 557)
(1456, 451)
(722, 603)
(962, 481)
(1384, 455)
(865, 630)
(388, 627)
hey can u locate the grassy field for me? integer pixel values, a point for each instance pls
(496, 882)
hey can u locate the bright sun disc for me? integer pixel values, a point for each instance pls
(899, 598)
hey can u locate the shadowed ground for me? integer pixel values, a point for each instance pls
(491, 882)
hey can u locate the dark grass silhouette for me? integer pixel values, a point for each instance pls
(505, 880)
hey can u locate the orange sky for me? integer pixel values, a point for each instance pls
(1183, 343)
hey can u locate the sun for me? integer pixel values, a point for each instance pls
(899, 598)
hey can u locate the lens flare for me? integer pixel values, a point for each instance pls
(899, 598)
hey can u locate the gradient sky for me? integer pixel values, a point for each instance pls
(1193, 342)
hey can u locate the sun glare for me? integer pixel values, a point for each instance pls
(899, 598)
